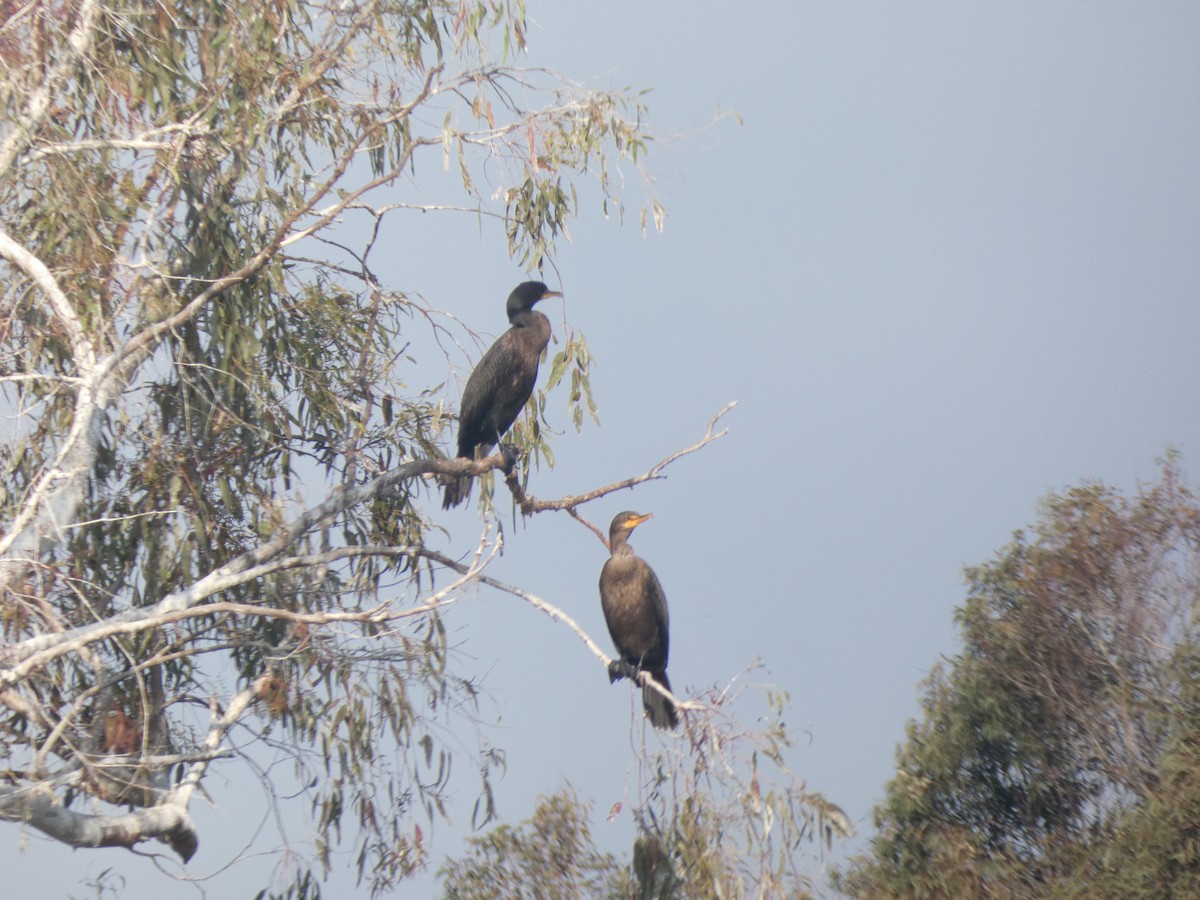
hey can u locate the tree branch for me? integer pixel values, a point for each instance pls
(549, 609)
(181, 794)
(530, 504)
(35, 270)
(169, 821)
(58, 489)
(80, 43)
(143, 343)
(23, 658)
(37, 806)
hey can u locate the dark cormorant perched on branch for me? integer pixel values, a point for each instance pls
(502, 381)
(635, 609)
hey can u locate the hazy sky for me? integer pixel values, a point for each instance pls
(948, 261)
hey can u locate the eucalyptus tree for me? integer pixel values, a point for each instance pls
(215, 486)
(1056, 754)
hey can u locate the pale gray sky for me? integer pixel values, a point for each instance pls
(947, 263)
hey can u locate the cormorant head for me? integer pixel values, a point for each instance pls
(525, 295)
(624, 523)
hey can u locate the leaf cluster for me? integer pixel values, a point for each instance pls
(724, 816)
(718, 816)
(550, 856)
(1046, 744)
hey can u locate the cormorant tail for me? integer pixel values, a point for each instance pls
(659, 709)
(457, 490)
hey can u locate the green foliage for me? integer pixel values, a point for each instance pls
(718, 815)
(549, 856)
(1152, 848)
(1041, 764)
(723, 815)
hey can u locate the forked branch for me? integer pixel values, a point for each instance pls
(530, 504)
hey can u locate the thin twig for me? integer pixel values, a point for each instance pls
(545, 606)
(530, 504)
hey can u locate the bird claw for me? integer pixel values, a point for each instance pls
(618, 669)
(510, 452)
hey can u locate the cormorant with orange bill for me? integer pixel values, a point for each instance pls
(502, 382)
(635, 609)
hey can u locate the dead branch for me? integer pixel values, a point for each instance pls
(558, 615)
(530, 504)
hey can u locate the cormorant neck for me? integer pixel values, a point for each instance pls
(619, 545)
(523, 318)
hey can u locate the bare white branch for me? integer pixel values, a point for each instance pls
(549, 609)
(35, 270)
(530, 504)
(40, 101)
(24, 657)
(37, 806)
(31, 377)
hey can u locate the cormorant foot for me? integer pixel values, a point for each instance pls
(510, 452)
(618, 669)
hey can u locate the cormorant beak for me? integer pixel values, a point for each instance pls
(635, 520)
(550, 294)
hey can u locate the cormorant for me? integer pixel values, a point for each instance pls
(502, 381)
(635, 609)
